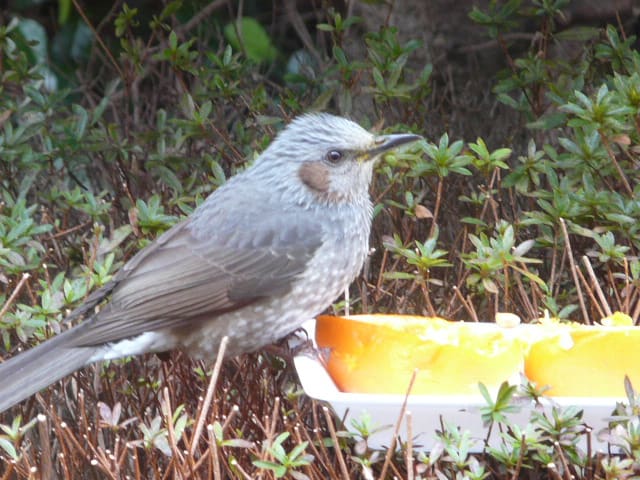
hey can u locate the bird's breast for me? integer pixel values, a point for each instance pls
(332, 268)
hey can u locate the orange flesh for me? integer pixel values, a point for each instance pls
(381, 357)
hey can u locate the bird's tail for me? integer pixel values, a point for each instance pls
(29, 372)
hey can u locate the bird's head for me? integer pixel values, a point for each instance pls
(330, 157)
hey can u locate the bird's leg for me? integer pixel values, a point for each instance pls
(294, 344)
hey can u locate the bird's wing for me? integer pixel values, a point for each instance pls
(186, 277)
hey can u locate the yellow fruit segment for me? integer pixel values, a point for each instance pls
(586, 361)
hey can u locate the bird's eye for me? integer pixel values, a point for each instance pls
(334, 156)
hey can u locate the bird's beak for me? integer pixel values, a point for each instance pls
(385, 143)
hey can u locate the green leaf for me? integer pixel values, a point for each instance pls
(399, 276)
(64, 9)
(485, 393)
(325, 27)
(490, 286)
(82, 120)
(251, 37)
(377, 78)
(170, 9)
(8, 447)
(237, 443)
(279, 470)
(578, 34)
(339, 55)
(548, 121)
(36, 36)
(474, 221)
(298, 450)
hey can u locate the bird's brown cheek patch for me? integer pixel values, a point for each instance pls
(315, 175)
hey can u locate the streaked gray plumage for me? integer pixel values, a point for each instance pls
(271, 248)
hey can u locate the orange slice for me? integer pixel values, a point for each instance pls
(586, 361)
(378, 354)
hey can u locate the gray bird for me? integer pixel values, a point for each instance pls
(272, 247)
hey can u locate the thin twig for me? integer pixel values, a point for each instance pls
(589, 456)
(62, 233)
(467, 305)
(612, 157)
(583, 307)
(590, 293)
(202, 15)
(317, 444)
(301, 30)
(596, 285)
(436, 208)
(213, 441)
(523, 445)
(565, 465)
(14, 294)
(46, 465)
(636, 312)
(403, 409)
(553, 471)
(236, 465)
(334, 437)
(275, 415)
(171, 433)
(627, 287)
(614, 291)
(383, 266)
(202, 414)
(409, 419)
(230, 416)
(531, 311)
(7, 474)
(99, 39)
(494, 43)
(425, 294)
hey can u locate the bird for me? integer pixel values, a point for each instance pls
(273, 246)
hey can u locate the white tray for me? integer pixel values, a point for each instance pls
(430, 412)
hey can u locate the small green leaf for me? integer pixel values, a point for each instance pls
(399, 276)
(8, 447)
(325, 27)
(251, 38)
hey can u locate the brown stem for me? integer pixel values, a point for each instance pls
(531, 310)
(590, 293)
(612, 157)
(507, 300)
(636, 312)
(427, 298)
(202, 414)
(403, 410)
(436, 208)
(596, 285)
(467, 304)
(523, 445)
(99, 39)
(583, 307)
(14, 294)
(334, 436)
